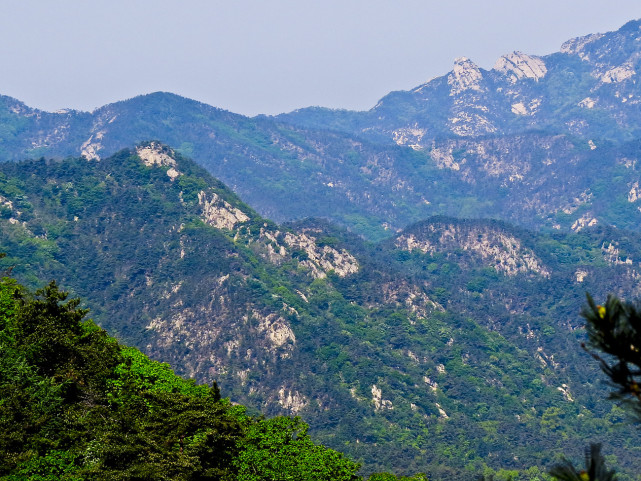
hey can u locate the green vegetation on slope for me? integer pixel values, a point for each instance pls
(418, 361)
(76, 405)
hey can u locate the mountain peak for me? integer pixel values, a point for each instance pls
(577, 45)
(155, 154)
(517, 65)
(465, 76)
(598, 46)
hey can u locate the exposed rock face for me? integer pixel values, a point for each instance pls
(410, 136)
(432, 384)
(441, 411)
(321, 260)
(565, 390)
(614, 56)
(587, 103)
(444, 159)
(469, 124)
(618, 74)
(611, 254)
(499, 250)
(586, 220)
(516, 66)
(380, 404)
(276, 328)
(89, 150)
(219, 213)
(465, 76)
(635, 193)
(157, 155)
(581, 274)
(577, 45)
(292, 401)
(402, 293)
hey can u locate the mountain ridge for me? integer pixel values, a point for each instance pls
(532, 136)
(467, 83)
(371, 343)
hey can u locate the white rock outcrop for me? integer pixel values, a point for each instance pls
(292, 401)
(618, 74)
(380, 404)
(156, 155)
(565, 390)
(587, 103)
(611, 254)
(432, 384)
(519, 109)
(323, 259)
(577, 45)
(467, 124)
(89, 149)
(276, 329)
(444, 159)
(219, 213)
(410, 136)
(516, 66)
(464, 76)
(635, 193)
(584, 221)
(441, 411)
(500, 250)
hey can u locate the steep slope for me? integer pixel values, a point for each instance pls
(77, 405)
(446, 348)
(287, 172)
(531, 179)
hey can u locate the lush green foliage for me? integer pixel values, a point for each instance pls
(474, 369)
(615, 329)
(76, 405)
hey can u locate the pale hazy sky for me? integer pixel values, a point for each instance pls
(270, 56)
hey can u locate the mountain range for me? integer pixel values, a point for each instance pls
(531, 141)
(407, 279)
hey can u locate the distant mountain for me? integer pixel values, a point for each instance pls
(545, 142)
(288, 173)
(451, 346)
(588, 90)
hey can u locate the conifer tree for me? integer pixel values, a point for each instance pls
(614, 329)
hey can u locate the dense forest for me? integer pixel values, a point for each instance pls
(76, 405)
(452, 347)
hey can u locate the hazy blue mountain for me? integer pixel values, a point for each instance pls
(544, 142)
(588, 89)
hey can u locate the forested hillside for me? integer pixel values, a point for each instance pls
(452, 347)
(77, 405)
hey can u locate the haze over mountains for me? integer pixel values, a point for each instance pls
(523, 142)
(443, 345)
